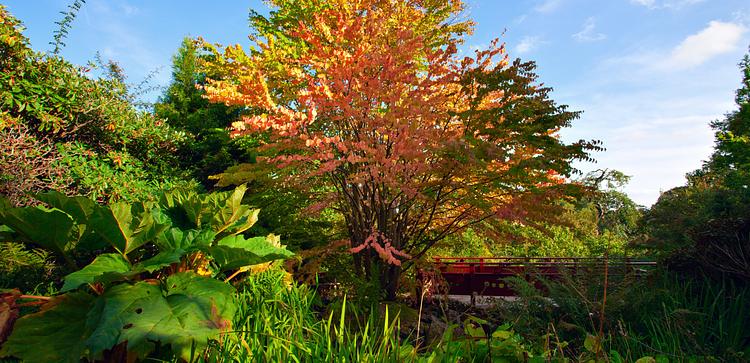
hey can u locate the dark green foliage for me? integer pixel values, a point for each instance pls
(706, 222)
(218, 161)
(161, 285)
(207, 149)
(56, 334)
(662, 315)
(601, 220)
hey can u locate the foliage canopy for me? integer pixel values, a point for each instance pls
(413, 142)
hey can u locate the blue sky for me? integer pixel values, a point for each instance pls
(649, 74)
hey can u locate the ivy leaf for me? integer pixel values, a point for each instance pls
(233, 252)
(105, 268)
(57, 333)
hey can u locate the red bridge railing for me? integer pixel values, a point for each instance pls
(486, 275)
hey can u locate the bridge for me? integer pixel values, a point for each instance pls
(486, 276)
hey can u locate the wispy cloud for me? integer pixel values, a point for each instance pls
(589, 33)
(129, 10)
(548, 6)
(528, 44)
(652, 107)
(125, 43)
(665, 4)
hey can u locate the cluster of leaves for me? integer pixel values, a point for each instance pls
(503, 345)
(164, 283)
(706, 221)
(85, 128)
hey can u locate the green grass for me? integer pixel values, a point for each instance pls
(278, 322)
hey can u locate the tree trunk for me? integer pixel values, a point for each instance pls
(390, 281)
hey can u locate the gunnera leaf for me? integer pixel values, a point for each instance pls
(57, 333)
(188, 240)
(187, 313)
(49, 228)
(204, 307)
(80, 208)
(127, 226)
(107, 267)
(233, 252)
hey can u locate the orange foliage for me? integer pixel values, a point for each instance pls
(372, 99)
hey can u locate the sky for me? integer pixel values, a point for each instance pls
(649, 75)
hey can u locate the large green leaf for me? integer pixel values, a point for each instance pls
(188, 240)
(132, 313)
(192, 311)
(80, 208)
(204, 307)
(105, 268)
(127, 226)
(184, 208)
(49, 228)
(222, 212)
(231, 215)
(233, 252)
(55, 334)
(162, 259)
(4, 203)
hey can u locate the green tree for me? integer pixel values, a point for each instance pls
(207, 149)
(613, 210)
(708, 220)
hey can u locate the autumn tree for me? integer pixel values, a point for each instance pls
(369, 102)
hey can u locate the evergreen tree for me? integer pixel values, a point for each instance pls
(208, 149)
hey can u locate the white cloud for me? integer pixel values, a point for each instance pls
(716, 39)
(528, 44)
(548, 6)
(647, 3)
(128, 9)
(666, 4)
(588, 33)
